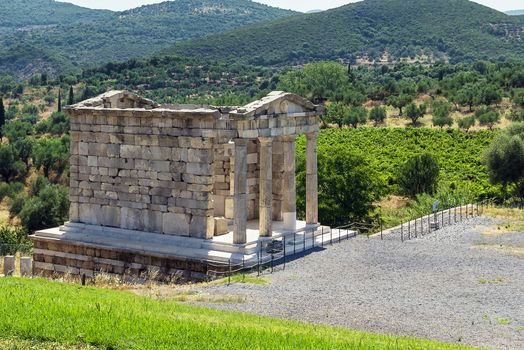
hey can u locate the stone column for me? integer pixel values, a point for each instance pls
(289, 201)
(266, 187)
(240, 194)
(26, 267)
(311, 179)
(9, 265)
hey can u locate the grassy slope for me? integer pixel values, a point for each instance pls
(70, 314)
(458, 28)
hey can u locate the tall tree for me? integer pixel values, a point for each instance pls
(71, 99)
(2, 115)
(59, 100)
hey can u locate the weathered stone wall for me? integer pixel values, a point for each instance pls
(141, 171)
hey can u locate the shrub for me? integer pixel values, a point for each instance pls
(50, 208)
(466, 123)
(13, 239)
(10, 190)
(378, 115)
(418, 175)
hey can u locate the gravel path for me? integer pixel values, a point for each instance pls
(450, 285)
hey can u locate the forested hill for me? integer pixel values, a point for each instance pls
(454, 29)
(30, 14)
(113, 36)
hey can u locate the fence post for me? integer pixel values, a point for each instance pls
(229, 274)
(381, 228)
(258, 262)
(331, 235)
(322, 236)
(284, 238)
(402, 232)
(294, 243)
(409, 230)
(442, 218)
(304, 249)
(9, 265)
(461, 213)
(415, 228)
(449, 216)
(26, 267)
(272, 262)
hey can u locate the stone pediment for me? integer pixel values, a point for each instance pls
(117, 100)
(276, 103)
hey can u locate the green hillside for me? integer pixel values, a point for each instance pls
(32, 14)
(117, 35)
(455, 29)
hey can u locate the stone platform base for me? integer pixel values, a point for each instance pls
(80, 249)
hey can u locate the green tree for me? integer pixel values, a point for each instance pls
(466, 96)
(71, 98)
(466, 123)
(347, 187)
(415, 112)
(10, 167)
(336, 113)
(517, 96)
(51, 154)
(504, 159)
(487, 117)
(442, 114)
(48, 209)
(355, 116)
(2, 115)
(400, 102)
(418, 175)
(318, 82)
(59, 107)
(16, 130)
(378, 115)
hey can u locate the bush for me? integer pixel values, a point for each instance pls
(378, 115)
(505, 158)
(13, 239)
(10, 190)
(418, 175)
(50, 208)
(466, 123)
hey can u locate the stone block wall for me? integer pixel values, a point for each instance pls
(140, 171)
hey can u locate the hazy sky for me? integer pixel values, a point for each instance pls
(298, 5)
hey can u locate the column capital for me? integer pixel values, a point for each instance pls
(240, 142)
(312, 135)
(288, 138)
(265, 140)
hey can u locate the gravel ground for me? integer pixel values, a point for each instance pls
(450, 285)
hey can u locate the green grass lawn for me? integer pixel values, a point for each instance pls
(62, 316)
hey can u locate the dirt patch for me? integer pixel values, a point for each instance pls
(515, 250)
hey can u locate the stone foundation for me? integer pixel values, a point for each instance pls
(58, 257)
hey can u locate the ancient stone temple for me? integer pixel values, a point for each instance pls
(174, 187)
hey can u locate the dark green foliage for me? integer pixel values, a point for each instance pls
(517, 95)
(415, 112)
(49, 209)
(459, 29)
(442, 114)
(13, 239)
(59, 102)
(336, 114)
(2, 115)
(10, 190)
(505, 158)
(71, 97)
(355, 116)
(487, 117)
(346, 187)
(378, 115)
(51, 154)
(56, 124)
(418, 175)
(516, 115)
(400, 101)
(467, 122)
(10, 167)
(317, 82)
(16, 130)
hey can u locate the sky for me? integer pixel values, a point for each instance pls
(297, 5)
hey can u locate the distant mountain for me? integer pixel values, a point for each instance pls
(515, 12)
(313, 11)
(454, 29)
(31, 14)
(92, 37)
